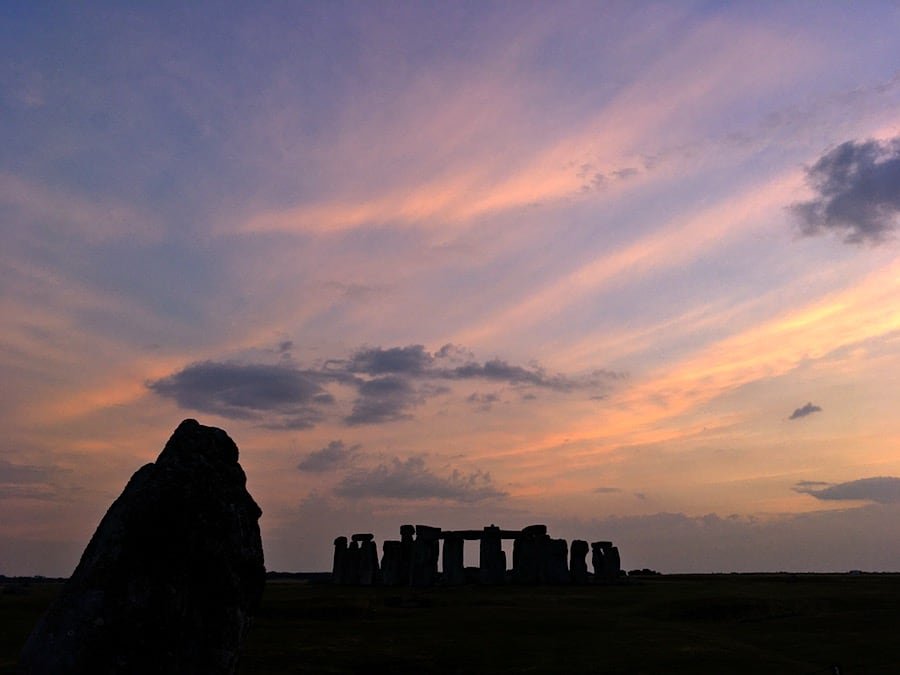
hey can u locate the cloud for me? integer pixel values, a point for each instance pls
(27, 481)
(383, 399)
(497, 370)
(803, 411)
(412, 359)
(483, 402)
(388, 382)
(605, 490)
(335, 455)
(411, 479)
(806, 485)
(858, 192)
(880, 489)
(249, 391)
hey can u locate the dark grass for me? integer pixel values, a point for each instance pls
(669, 624)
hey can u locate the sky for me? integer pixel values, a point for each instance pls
(630, 270)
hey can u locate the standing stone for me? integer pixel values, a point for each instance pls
(577, 562)
(390, 565)
(171, 577)
(557, 567)
(426, 551)
(351, 565)
(368, 563)
(614, 562)
(407, 543)
(454, 569)
(606, 561)
(492, 569)
(526, 557)
(340, 560)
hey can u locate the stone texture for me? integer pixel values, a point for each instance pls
(171, 577)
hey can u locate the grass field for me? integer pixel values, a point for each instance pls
(670, 624)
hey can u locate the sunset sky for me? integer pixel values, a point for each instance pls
(627, 269)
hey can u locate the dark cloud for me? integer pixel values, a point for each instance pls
(858, 192)
(281, 395)
(383, 399)
(413, 360)
(803, 411)
(335, 455)
(411, 479)
(497, 370)
(388, 382)
(881, 489)
(605, 490)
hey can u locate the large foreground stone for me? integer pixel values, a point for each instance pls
(172, 575)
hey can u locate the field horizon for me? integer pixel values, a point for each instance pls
(671, 623)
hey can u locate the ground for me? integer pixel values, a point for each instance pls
(780, 623)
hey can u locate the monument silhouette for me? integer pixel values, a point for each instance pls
(413, 560)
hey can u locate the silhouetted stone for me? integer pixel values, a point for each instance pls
(577, 563)
(362, 537)
(340, 560)
(454, 572)
(391, 574)
(406, 551)
(426, 549)
(350, 576)
(171, 577)
(557, 569)
(614, 563)
(492, 559)
(535, 530)
(368, 563)
(526, 566)
(606, 561)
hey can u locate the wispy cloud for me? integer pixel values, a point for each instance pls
(411, 479)
(880, 489)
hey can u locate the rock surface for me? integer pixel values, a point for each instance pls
(171, 577)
